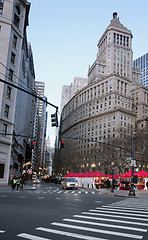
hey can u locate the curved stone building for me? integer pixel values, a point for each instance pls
(104, 110)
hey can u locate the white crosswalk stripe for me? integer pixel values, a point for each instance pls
(123, 213)
(31, 237)
(110, 215)
(97, 230)
(121, 210)
(69, 234)
(111, 220)
(1, 231)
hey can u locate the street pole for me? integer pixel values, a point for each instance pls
(112, 188)
(132, 191)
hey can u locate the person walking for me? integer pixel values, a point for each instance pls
(147, 185)
(14, 183)
(18, 183)
(12, 177)
(22, 182)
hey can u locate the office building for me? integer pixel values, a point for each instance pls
(142, 64)
(106, 111)
(69, 91)
(13, 24)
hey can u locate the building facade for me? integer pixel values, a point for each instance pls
(142, 64)
(104, 112)
(69, 91)
(40, 127)
(24, 113)
(13, 23)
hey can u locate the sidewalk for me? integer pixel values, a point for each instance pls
(25, 187)
(124, 193)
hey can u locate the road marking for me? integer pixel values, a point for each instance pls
(66, 192)
(2, 196)
(40, 197)
(121, 210)
(31, 237)
(86, 192)
(129, 208)
(93, 192)
(78, 199)
(97, 230)
(114, 216)
(58, 198)
(123, 213)
(1, 231)
(106, 225)
(68, 234)
(45, 192)
(111, 220)
(79, 192)
(59, 192)
(22, 196)
(98, 201)
(73, 192)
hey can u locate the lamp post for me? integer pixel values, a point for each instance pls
(132, 190)
(112, 187)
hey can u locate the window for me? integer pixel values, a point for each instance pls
(4, 129)
(16, 21)
(6, 111)
(14, 41)
(1, 11)
(11, 74)
(12, 57)
(17, 9)
(8, 93)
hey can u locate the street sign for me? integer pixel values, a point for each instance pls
(133, 163)
(29, 171)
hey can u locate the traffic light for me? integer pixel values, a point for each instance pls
(54, 120)
(32, 144)
(62, 144)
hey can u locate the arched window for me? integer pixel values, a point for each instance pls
(17, 9)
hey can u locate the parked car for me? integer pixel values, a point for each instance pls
(68, 183)
(36, 181)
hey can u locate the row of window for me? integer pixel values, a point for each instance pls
(121, 40)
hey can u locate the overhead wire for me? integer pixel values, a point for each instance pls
(14, 76)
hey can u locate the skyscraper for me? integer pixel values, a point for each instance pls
(142, 64)
(41, 122)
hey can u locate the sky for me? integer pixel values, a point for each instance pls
(64, 36)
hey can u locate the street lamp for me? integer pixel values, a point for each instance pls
(132, 190)
(112, 187)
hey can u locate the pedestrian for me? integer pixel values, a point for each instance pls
(22, 182)
(12, 177)
(14, 182)
(18, 183)
(147, 185)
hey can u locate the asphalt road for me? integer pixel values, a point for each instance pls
(50, 212)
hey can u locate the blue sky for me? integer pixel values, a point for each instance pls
(64, 36)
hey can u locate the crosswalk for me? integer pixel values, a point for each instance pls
(126, 219)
